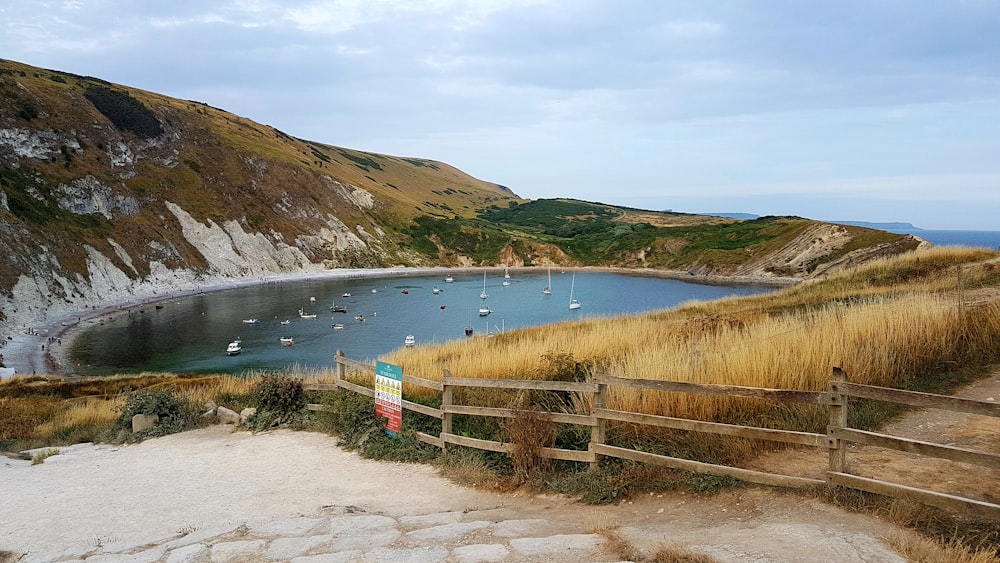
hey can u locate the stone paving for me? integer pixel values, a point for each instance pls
(350, 535)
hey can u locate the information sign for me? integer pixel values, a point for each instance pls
(389, 396)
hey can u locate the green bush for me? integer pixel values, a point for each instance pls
(279, 400)
(172, 410)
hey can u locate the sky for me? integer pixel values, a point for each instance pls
(862, 110)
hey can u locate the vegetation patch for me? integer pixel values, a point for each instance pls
(124, 111)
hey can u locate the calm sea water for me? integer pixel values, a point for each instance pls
(190, 334)
(988, 239)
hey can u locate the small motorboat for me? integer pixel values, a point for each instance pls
(484, 310)
(406, 292)
(287, 341)
(374, 291)
(442, 307)
(449, 279)
(251, 321)
(285, 322)
(337, 326)
(436, 290)
(306, 315)
(409, 341)
(335, 309)
(234, 348)
(346, 294)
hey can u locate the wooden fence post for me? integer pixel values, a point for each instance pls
(838, 419)
(599, 431)
(340, 369)
(446, 401)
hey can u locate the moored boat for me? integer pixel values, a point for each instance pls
(409, 341)
(287, 341)
(234, 348)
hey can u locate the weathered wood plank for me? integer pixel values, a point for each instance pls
(953, 453)
(476, 443)
(701, 467)
(354, 364)
(429, 383)
(367, 391)
(522, 384)
(423, 409)
(503, 447)
(941, 500)
(319, 386)
(785, 395)
(786, 436)
(917, 399)
(318, 408)
(562, 418)
(428, 439)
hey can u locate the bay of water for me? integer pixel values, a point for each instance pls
(190, 334)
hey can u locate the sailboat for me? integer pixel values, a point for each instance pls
(548, 286)
(484, 295)
(506, 276)
(573, 303)
(468, 327)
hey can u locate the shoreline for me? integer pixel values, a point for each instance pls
(41, 351)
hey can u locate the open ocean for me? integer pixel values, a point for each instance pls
(988, 239)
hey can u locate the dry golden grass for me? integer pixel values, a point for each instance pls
(920, 549)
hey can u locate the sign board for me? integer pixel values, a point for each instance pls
(389, 396)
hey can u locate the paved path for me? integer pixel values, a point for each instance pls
(348, 536)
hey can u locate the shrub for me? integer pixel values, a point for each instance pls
(172, 410)
(279, 400)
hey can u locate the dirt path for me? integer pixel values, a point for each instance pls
(931, 425)
(145, 498)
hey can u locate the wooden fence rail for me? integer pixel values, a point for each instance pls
(836, 439)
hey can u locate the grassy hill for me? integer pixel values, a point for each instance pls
(105, 189)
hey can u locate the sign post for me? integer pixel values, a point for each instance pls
(389, 396)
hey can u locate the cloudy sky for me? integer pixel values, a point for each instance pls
(872, 110)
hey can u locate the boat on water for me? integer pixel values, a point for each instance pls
(484, 295)
(346, 294)
(449, 279)
(548, 285)
(251, 321)
(285, 322)
(234, 348)
(406, 292)
(484, 310)
(335, 309)
(287, 341)
(374, 290)
(506, 276)
(337, 326)
(409, 341)
(436, 290)
(573, 303)
(305, 315)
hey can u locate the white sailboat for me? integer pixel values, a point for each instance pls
(548, 286)
(573, 303)
(506, 276)
(484, 295)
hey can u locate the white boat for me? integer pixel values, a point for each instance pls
(346, 294)
(251, 321)
(307, 315)
(287, 341)
(234, 348)
(285, 322)
(409, 341)
(312, 299)
(449, 279)
(436, 290)
(548, 286)
(484, 310)
(374, 290)
(506, 276)
(484, 295)
(573, 303)
(337, 326)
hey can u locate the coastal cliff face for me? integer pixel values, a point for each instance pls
(110, 194)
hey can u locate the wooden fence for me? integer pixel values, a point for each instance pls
(835, 440)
